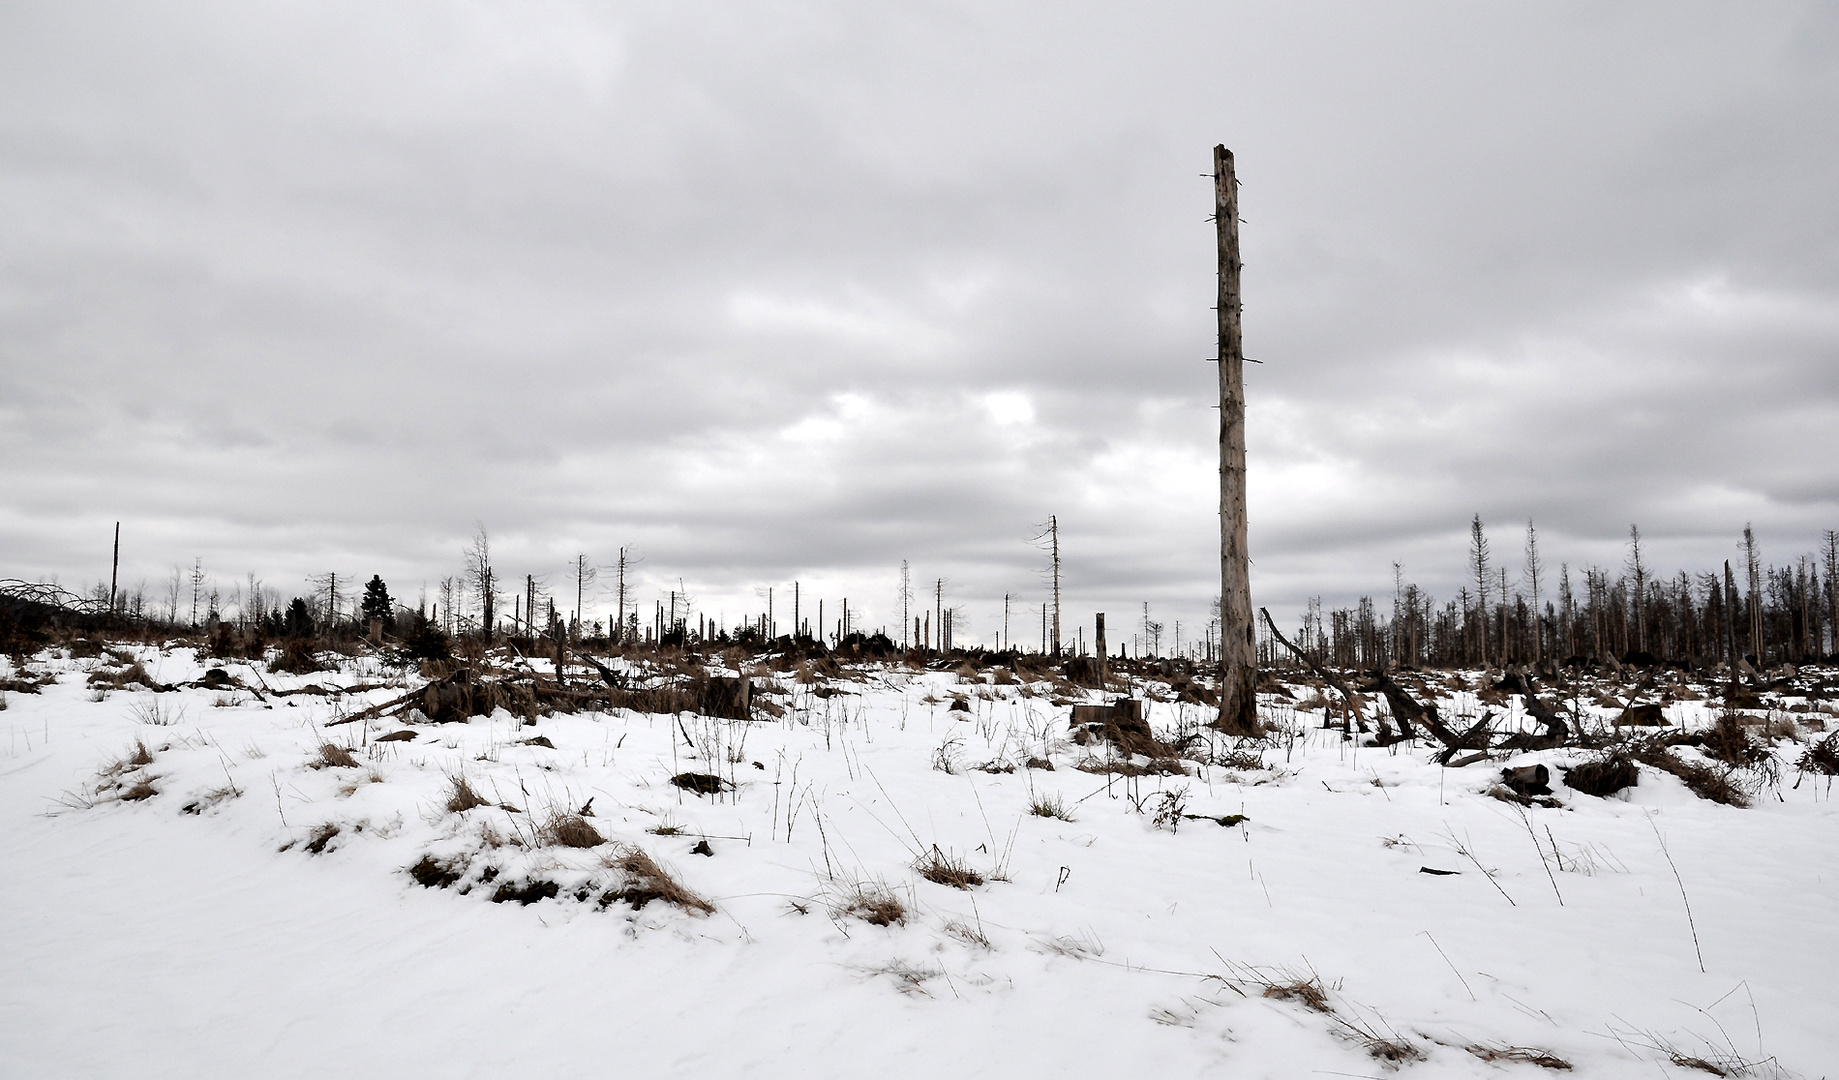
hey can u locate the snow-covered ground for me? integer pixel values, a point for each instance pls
(220, 927)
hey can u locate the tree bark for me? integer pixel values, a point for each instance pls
(1238, 657)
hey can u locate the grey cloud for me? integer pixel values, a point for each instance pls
(292, 287)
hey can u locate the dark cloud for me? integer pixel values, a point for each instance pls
(797, 291)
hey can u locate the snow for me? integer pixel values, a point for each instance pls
(146, 938)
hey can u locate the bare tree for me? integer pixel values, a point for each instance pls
(1830, 559)
(1638, 570)
(627, 622)
(1567, 610)
(584, 576)
(115, 569)
(1049, 540)
(906, 602)
(1478, 565)
(197, 580)
(1752, 560)
(938, 602)
(445, 616)
(1053, 525)
(1533, 569)
(482, 578)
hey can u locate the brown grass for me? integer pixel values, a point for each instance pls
(133, 673)
(464, 798)
(1244, 760)
(942, 869)
(1307, 992)
(570, 830)
(1524, 1055)
(141, 789)
(648, 881)
(967, 933)
(334, 756)
(872, 902)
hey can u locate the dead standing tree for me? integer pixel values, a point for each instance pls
(1238, 651)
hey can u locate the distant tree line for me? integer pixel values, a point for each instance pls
(1762, 614)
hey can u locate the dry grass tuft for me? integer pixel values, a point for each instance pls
(464, 798)
(942, 869)
(140, 756)
(334, 756)
(157, 713)
(570, 830)
(967, 933)
(907, 978)
(1391, 1051)
(872, 902)
(131, 675)
(648, 882)
(1050, 806)
(1305, 991)
(1083, 947)
(142, 788)
(1244, 760)
(1525, 1055)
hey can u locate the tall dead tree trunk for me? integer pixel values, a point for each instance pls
(1053, 525)
(1238, 657)
(115, 568)
(1099, 646)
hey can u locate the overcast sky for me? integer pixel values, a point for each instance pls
(794, 291)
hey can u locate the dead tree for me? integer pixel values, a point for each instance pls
(1322, 673)
(1238, 651)
(115, 569)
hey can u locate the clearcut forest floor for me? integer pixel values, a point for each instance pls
(216, 882)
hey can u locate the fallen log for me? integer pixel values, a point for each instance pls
(1406, 709)
(1556, 730)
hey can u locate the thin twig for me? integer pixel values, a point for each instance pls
(1485, 872)
(1452, 966)
(1527, 821)
(1693, 926)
